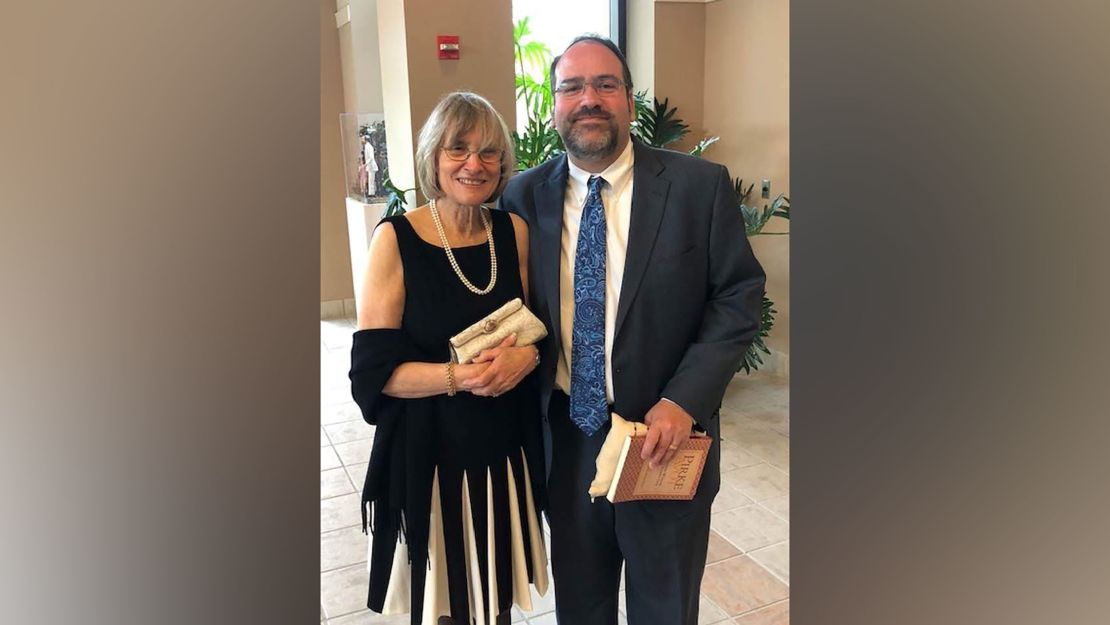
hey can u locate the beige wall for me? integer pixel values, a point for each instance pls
(411, 81)
(414, 80)
(395, 91)
(680, 64)
(368, 69)
(347, 63)
(725, 65)
(747, 103)
(335, 264)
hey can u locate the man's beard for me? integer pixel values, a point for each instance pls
(587, 149)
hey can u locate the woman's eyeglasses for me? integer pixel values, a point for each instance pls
(489, 156)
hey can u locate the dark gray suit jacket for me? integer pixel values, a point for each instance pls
(691, 295)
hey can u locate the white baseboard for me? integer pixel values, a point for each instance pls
(338, 309)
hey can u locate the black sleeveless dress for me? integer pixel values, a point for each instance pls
(481, 545)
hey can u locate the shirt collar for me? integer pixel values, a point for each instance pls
(616, 174)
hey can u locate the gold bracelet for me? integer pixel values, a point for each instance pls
(451, 379)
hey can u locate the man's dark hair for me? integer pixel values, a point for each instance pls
(627, 77)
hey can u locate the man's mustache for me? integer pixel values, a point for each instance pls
(591, 112)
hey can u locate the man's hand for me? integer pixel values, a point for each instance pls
(668, 427)
(507, 367)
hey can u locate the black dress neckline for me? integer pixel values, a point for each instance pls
(440, 247)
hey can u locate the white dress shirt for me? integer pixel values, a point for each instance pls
(616, 195)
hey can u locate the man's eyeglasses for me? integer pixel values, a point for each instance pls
(489, 156)
(603, 86)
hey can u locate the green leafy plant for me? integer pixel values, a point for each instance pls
(755, 219)
(539, 141)
(532, 58)
(657, 124)
(703, 144)
(752, 359)
(395, 204)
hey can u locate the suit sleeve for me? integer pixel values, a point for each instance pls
(731, 314)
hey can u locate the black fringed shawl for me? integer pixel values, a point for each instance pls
(396, 495)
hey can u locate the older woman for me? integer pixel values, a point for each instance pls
(455, 480)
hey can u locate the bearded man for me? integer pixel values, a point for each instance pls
(641, 269)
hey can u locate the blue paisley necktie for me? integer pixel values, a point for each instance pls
(589, 408)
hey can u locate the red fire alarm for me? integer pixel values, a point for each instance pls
(448, 46)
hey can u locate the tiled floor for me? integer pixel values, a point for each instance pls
(747, 574)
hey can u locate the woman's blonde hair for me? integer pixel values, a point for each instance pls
(457, 114)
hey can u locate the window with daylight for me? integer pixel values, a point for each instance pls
(541, 29)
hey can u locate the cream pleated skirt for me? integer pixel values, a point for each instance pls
(483, 602)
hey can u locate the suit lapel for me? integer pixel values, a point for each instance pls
(548, 196)
(649, 197)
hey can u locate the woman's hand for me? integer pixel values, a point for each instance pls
(507, 366)
(468, 372)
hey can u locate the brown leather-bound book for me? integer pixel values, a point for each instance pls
(678, 479)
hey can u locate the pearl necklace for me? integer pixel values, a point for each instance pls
(451, 256)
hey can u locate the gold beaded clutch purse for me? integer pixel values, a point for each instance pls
(489, 331)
